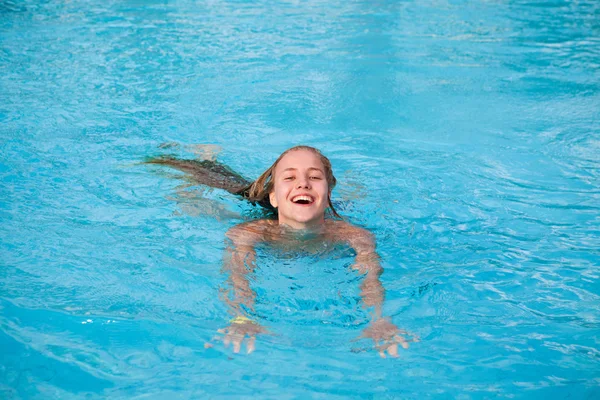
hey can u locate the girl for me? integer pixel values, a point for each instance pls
(297, 188)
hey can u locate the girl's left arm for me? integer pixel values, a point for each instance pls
(367, 262)
(384, 333)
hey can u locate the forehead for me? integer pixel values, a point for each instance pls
(300, 159)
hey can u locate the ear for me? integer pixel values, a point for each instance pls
(273, 199)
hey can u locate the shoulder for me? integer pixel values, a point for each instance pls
(347, 228)
(359, 238)
(250, 232)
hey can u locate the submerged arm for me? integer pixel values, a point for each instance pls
(382, 331)
(367, 263)
(239, 262)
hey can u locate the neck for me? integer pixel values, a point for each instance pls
(313, 226)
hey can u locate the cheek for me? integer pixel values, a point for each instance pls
(279, 193)
(324, 189)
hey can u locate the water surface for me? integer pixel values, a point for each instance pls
(464, 135)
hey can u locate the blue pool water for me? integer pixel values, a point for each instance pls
(464, 135)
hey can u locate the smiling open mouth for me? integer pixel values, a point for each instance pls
(302, 199)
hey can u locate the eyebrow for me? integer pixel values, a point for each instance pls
(310, 169)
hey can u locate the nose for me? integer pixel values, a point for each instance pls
(303, 183)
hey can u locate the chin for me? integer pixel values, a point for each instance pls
(308, 218)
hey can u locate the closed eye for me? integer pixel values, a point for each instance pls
(316, 178)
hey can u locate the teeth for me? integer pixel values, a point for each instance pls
(302, 198)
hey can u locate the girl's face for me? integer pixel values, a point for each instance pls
(300, 190)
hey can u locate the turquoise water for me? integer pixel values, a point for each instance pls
(464, 135)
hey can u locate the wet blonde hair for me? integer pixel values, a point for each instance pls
(260, 189)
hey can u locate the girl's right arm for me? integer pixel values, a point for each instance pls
(239, 262)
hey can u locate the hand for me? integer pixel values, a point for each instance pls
(237, 331)
(387, 337)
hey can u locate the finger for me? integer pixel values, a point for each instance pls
(381, 353)
(393, 350)
(237, 343)
(227, 340)
(237, 340)
(356, 339)
(401, 341)
(251, 344)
